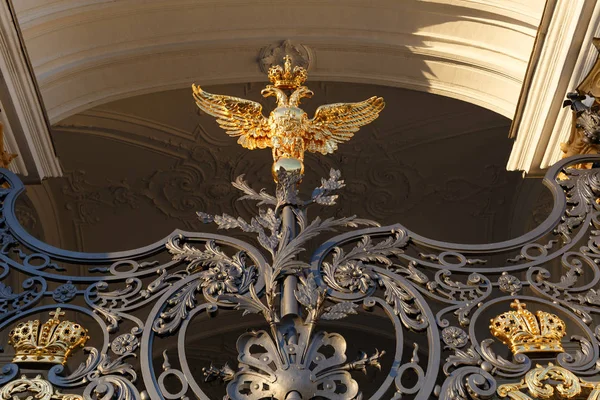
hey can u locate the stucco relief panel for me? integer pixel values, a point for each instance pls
(171, 166)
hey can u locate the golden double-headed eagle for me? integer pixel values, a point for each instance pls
(287, 130)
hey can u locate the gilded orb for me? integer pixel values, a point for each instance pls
(289, 165)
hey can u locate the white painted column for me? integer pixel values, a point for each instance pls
(563, 54)
(26, 128)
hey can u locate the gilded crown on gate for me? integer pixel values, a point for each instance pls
(53, 342)
(286, 78)
(524, 332)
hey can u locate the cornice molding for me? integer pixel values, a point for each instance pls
(435, 68)
(442, 46)
(34, 12)
(26, 127)
(564, 54)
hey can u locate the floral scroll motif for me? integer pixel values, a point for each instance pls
(565, 385)
(454, 337)
(509, 283)
(266, 371)
(219, 273)
(39, 387)
(435, 295)
(125, 343)
(64, 293)
(349, 273)
(354, 276)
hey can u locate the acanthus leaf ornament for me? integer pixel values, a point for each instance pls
(5, 157)
(339, 311)
(11, 302)
(39, 387)
(274, 370)
(585, 132)
(219, 273)
(293, 358)
(585, 126)
(284, 363)
(550, 382)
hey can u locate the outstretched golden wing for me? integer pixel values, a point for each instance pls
(239, 117)
(336, 123)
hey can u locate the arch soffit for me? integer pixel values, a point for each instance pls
(87, 53)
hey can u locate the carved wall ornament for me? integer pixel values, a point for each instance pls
(195, 174)
(585, 128)
(524, 332)
(51, 342)
(585, 131)
(28, 217)
(5, 157)
(591, 82)
(300, 55)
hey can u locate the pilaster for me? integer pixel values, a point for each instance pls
(26, 127)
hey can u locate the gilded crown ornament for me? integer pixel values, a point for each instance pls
(288, 130)
(524, 332)
(286, 78)
(53, 342)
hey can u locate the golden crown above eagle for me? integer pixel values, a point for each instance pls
(288, 130)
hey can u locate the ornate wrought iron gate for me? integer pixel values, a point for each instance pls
(463, 321)
(439, 298)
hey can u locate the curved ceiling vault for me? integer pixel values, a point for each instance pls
(89, 52)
